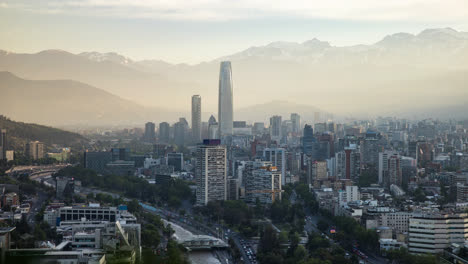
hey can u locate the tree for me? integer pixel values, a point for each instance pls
(322, 225)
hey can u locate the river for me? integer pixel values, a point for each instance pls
(195, 257)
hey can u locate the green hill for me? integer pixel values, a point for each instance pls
(20, 133)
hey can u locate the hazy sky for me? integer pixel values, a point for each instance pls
(192, 31)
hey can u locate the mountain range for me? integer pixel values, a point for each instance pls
(402, 73)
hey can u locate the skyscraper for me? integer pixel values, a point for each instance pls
(150, 133)
(180, 131)
(164, 129)
(211, 172)
(213, 128)
(308, 140)
(225, 105)
(196, 118)
(275, 127)
(296, 123)
(3, 143)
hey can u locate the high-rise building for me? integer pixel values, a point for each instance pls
(35, 150)
(275, 127)
(211, 172)
(308, 140)
(316, 171)
(262, 182)
(3, 143)
(225, 104)
(213, 128)
(196, 119)
(390, 168)
(277, 157)
(164, 132)
(180, 131)
(150, 133)
(296, 123)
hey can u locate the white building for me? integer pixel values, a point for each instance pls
(432, 233)
(211, 172)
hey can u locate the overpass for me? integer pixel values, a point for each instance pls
(202, 242)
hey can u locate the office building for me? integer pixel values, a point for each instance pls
(164, 132)
(262, 182)
(180, 131)
(120, 154)
(225, 103)
(213, 128)
(433, 232)
(258, 128)
(370, 149)
(308, 140)
(296, 123)
(211, 172)
(35, 150)
(97, 161)
(277, 157)
(150, 132)
(176, 160)
(275, 128)
(196, 119)
(390, 169)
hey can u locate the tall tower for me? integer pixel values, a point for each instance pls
(225, 106)
(3, 143)
(196, 118)
(296, 123)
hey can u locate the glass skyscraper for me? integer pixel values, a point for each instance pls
(225, 107)
(196, 118)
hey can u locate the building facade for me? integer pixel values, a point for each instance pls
(225, 103)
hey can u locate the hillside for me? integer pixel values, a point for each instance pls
(20, 133)
(67, 102)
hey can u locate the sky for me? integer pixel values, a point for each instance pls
(194, 31)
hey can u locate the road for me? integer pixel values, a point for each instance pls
(36, 207)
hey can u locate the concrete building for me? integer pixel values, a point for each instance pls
(277, 157)
(150, 132)
(262, 182)
(432, 233)
(225, 100)
(35, 150)
(296, 123)
(211, 172)
(196, 119)
(390, 169)
(275, 128)
(164, 132)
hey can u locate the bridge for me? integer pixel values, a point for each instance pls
(202, 242)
